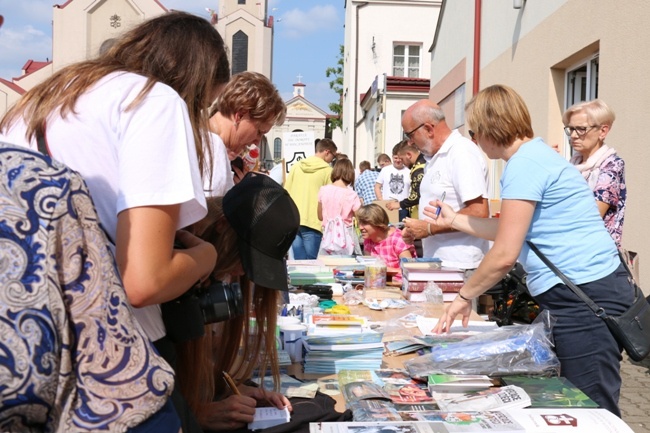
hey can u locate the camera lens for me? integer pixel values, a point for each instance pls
(220, 301)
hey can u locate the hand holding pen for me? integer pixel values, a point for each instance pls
(439, 213)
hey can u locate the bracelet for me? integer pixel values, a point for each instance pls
(429, 229)
(464, 298)
(452, 221)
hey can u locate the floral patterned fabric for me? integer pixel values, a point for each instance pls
(611, 189)
(72, 356)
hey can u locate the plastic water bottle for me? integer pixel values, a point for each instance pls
(433, 293)
(250, 159)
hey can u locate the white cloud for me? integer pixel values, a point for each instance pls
(297, 23)
(17, 46)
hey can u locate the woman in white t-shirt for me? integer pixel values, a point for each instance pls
(134, 123)
(247, 108)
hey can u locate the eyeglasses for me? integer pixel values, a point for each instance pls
(579, 130)
(407, 135)
(471, 134)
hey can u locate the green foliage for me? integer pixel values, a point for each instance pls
(336, 84)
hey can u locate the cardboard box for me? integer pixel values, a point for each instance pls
(393, 215)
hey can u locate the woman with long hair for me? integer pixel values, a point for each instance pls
(134, 123)
(252, 227)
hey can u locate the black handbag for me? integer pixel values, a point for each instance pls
(631, 329)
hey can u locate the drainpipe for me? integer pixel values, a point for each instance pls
(356, 82)
(477, 47)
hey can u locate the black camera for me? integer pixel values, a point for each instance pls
(185, 316)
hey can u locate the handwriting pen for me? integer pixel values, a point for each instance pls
(231, 383)
(439, 208)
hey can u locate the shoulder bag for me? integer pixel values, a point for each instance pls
(631, 329)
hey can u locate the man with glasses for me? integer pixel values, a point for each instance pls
(455, 170)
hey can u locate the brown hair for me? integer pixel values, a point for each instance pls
(253, 94)
(234, 346)
(398, 146)
(344, 170)
(383, 157)
(326, 144)
(374, 215)
(499, 114)
(364, 165)
(178, 49)
(406, 147)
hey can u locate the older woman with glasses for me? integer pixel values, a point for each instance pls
(245, 111)
(587, 124)
(545, 202)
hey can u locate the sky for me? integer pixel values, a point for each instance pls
(308, 34)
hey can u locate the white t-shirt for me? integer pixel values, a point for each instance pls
(129, 158)
(458, 168)
(395, 184)
(222, 176)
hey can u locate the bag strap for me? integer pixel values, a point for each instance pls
(598, 311)
(627, 268)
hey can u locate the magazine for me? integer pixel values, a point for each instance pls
(506, 397)
(553, 391)
(373, 410)
(411, 393)
(355, 391)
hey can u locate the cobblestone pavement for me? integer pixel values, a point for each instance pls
(635, 394)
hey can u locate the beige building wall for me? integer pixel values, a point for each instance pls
(251, 19)
(533, 48)
(81, 26)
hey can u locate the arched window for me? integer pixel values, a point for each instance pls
(239, 52)
(277, 148)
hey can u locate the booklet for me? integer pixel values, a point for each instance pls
(506, 397)
(458, 382)
(266, 417)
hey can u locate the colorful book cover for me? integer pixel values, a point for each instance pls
(355, 391)
(551, 391)
(411, 393)
(373, 410)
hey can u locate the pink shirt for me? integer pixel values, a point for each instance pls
(336, 201)
(389, 250)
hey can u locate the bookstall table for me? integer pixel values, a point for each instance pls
(430, 310)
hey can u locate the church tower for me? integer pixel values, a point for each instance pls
(247, 30)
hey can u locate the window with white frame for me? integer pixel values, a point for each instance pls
(406, 61)
(582, 82)
(581, 85)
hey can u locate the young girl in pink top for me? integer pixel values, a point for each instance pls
(382, 240)
(337, 203)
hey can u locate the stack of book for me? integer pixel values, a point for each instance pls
(417, 272)
(328, 354)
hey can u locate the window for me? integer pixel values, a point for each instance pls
(239, 52)
(241, 2)
(581, 85)
(406, 61)
(277, 148)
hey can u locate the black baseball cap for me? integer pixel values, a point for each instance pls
(266, 221)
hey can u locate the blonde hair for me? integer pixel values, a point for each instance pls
(499, 114)
(374, 215)
(597, 111)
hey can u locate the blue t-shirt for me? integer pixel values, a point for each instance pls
(566, 225)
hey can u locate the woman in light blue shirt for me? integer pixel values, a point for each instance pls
(546, 201)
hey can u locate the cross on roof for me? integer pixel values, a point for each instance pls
(299, 78)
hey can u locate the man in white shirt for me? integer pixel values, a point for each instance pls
(456, 168)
